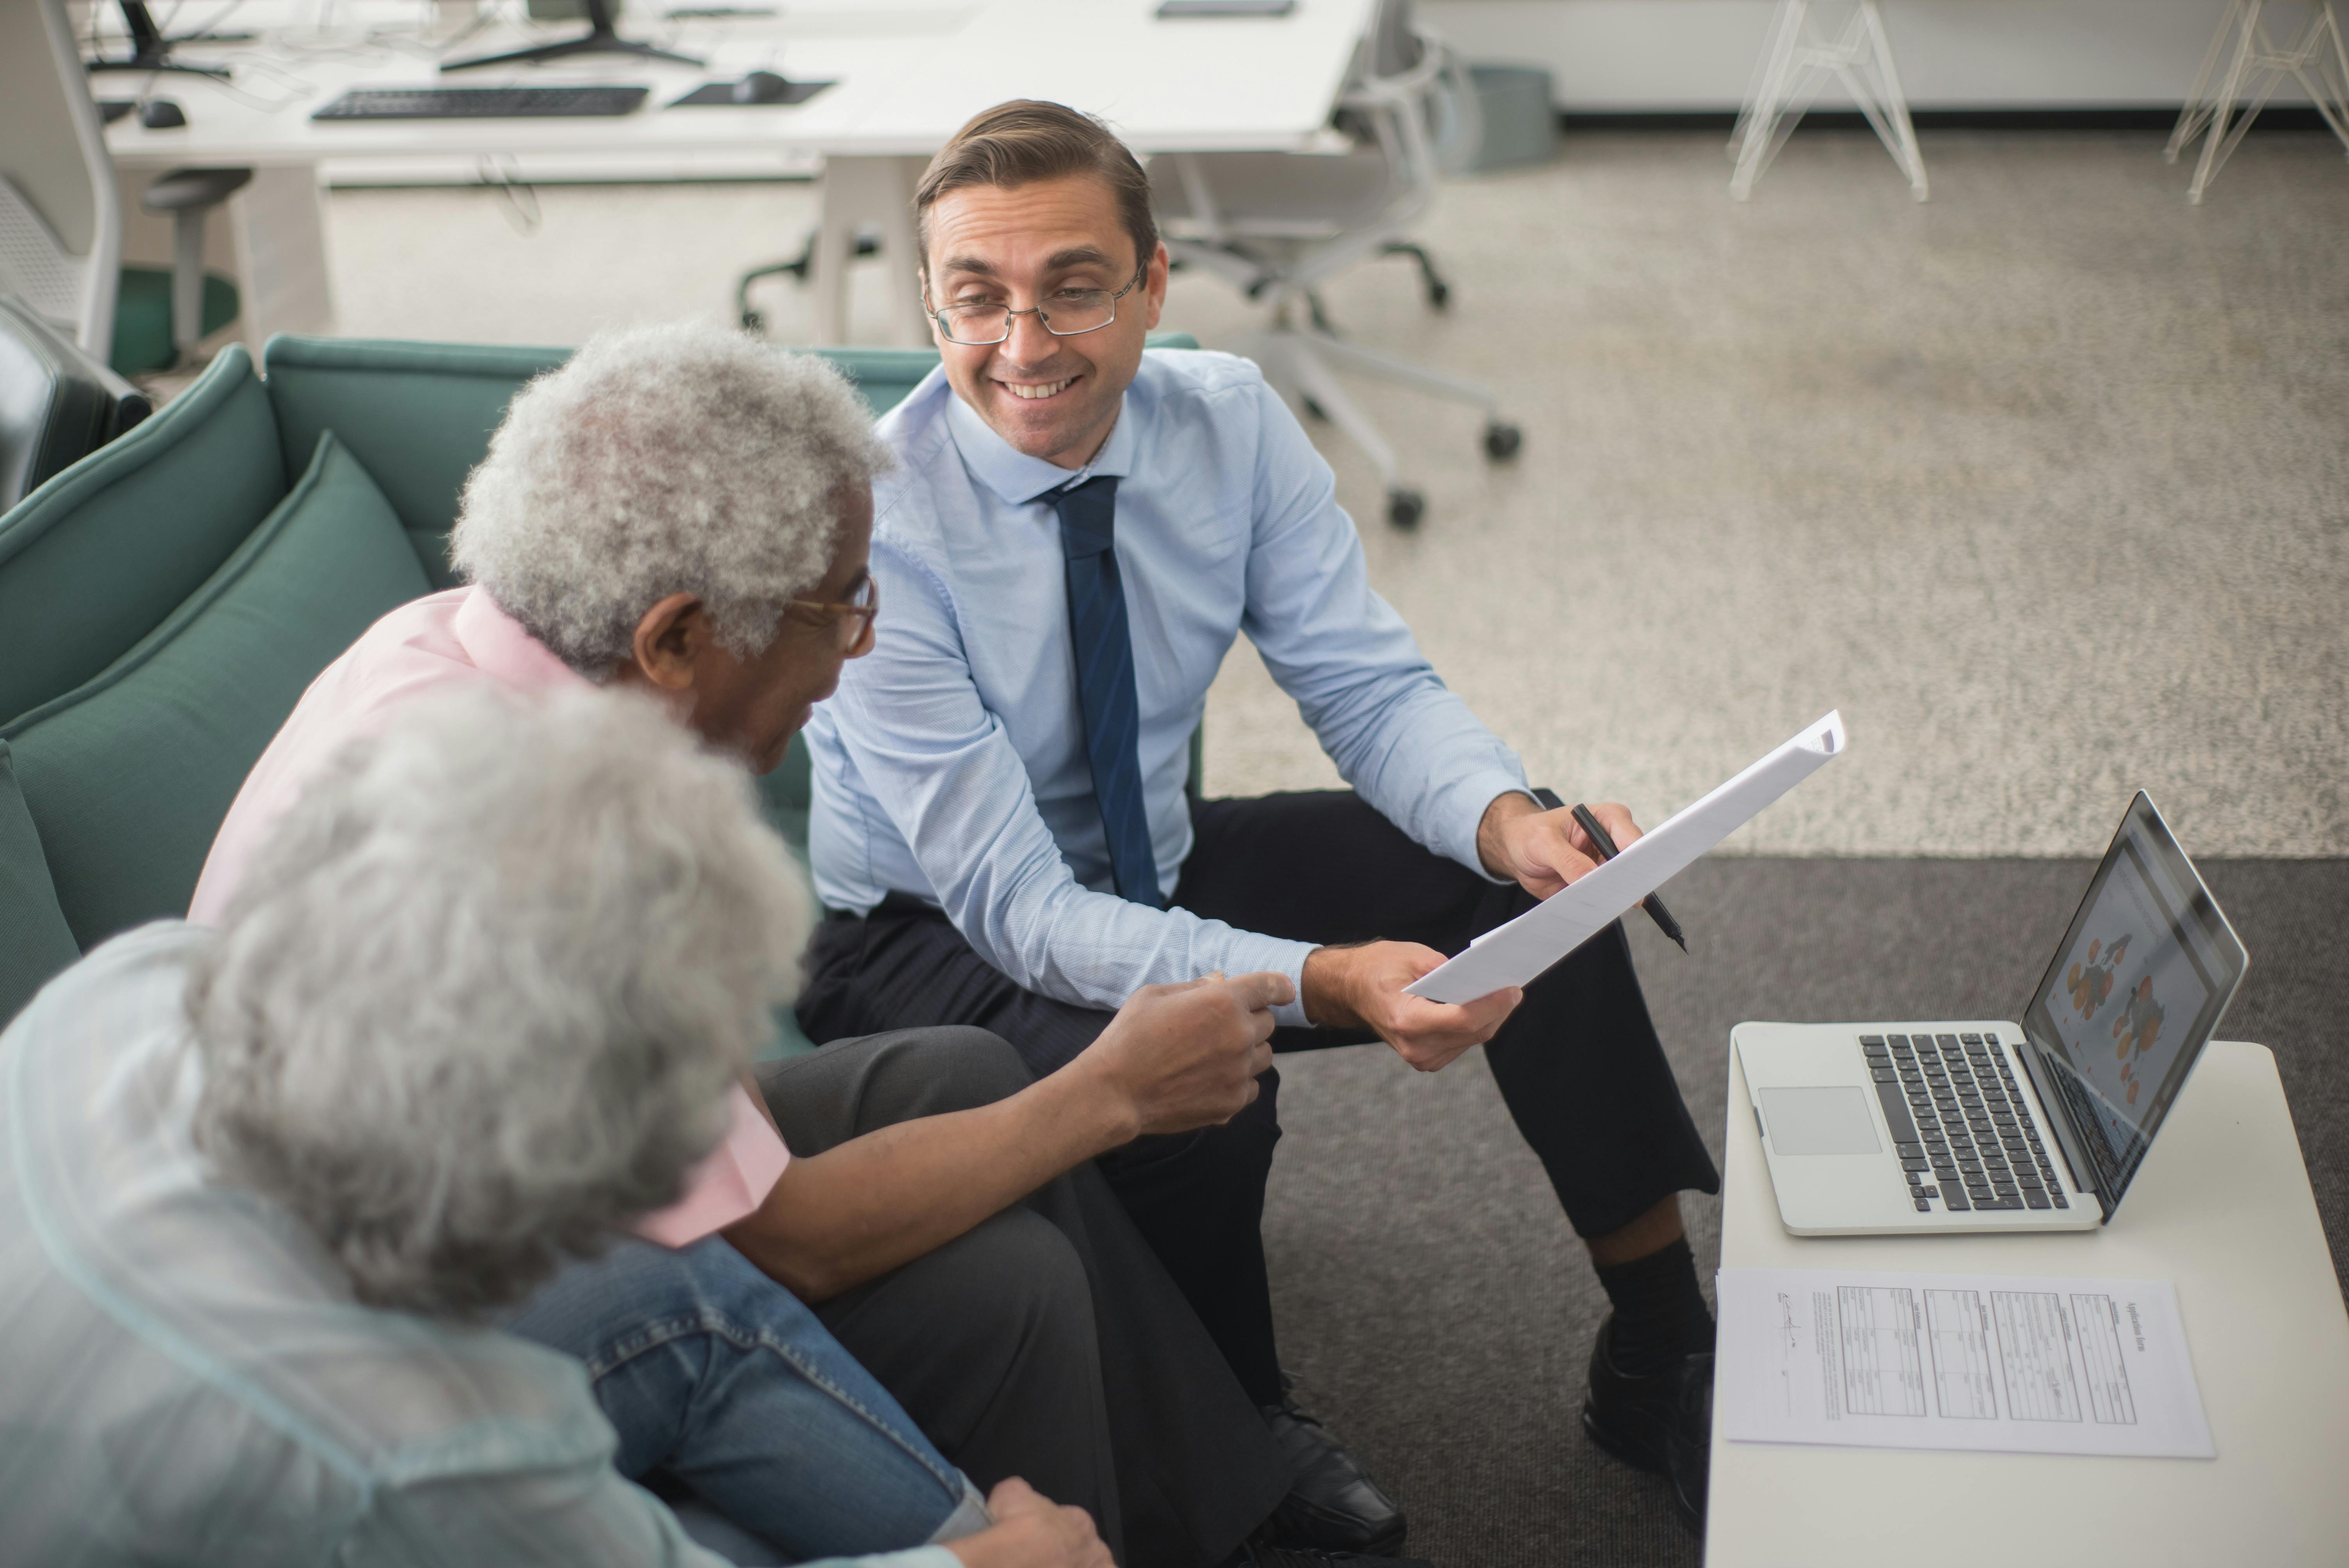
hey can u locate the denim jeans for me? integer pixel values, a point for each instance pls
(720, 1378)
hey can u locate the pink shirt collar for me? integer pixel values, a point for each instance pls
(501, 649)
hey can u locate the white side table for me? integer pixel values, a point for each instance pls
(2222, 1207)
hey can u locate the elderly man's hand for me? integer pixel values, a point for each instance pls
(1540, 851)
(1363, 986)
(1188, 1055)
(1032, 1532)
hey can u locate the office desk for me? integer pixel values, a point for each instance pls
(2222, 1207)
(908, 73)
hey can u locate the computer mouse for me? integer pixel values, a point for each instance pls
(162, 114)
(760, 87)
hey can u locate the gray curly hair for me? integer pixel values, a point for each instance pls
(658, 460)
(479, 1000)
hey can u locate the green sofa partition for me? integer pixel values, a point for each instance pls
(164, 602)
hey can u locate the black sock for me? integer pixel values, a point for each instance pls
(1660, 1313)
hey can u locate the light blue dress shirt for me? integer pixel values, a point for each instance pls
(951, 764)
(184, 1374)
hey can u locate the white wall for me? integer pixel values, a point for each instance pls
(1625, 56)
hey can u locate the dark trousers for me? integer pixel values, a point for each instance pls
(1048, 1342)
(1578, 1063)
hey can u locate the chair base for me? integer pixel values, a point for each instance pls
(1300, 363)
(142, 318)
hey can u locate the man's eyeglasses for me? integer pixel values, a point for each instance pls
(1067, 313)
(854, 619)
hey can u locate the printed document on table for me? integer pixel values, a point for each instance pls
(1995, 1363)
(1514, 953)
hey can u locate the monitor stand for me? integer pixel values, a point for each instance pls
(603, 39)
(150, 51)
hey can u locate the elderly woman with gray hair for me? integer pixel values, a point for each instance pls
(476, 1007)
(684, 513)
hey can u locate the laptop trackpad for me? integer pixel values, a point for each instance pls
(1824, 1120)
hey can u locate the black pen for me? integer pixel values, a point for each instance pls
(1607, 852)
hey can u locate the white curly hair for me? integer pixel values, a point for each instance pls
(658, 460)
(479, 1000)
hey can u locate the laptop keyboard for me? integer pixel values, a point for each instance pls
(1960, 1125)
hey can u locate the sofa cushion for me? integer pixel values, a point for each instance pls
(91, 562)
(35, 941)
(129, 775)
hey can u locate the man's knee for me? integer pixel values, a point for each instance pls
(1007, 1301)
(851, 1087)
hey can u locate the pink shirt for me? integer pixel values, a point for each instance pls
(435, 643)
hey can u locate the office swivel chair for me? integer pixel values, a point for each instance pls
(60, 221)
(1279, 225)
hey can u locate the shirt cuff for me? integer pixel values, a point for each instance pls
(1250, 952)
(1475, 795)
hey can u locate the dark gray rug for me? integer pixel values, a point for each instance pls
(1440, 1312)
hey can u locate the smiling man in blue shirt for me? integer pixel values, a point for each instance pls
(1076, 534)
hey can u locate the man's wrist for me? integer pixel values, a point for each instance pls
(1492, 830)
(1322, 988)
(1087, 1104)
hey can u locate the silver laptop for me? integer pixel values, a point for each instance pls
(1976, 1125)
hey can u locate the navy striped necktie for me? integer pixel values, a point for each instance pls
(1105, 651)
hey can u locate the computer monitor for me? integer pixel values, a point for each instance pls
(603, 39)
(150, 51)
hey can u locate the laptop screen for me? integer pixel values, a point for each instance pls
(2135, 990)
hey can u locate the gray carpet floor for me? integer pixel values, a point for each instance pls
(1437, 1308)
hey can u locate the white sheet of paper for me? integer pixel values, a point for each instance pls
(1514, 954)
(1985, 1363)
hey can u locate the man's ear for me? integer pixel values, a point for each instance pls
(669, 640)
(1154, 287)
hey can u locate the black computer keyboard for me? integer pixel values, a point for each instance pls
(1960, 1124)
(480, 103)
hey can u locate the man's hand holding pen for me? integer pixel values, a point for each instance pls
(1542, 850)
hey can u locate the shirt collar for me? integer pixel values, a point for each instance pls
(500, 648)
(1018, 478)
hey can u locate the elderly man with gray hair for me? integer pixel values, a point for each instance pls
(475, 1007)
(684, 513)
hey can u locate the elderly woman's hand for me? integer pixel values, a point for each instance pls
(1032, 1532)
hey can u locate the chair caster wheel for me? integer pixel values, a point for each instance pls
(1439, 296)
(1315, 411)
(1405, 507)
(1502, 442)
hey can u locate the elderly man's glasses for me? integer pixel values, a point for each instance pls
(854, 619)
(1066, 313)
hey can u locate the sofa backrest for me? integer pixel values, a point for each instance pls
(418, 416)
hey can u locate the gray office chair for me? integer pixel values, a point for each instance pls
(188, 195)
(61, 227)
(1279, 225)
(60, 214)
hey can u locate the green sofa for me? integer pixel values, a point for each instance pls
(165, 602)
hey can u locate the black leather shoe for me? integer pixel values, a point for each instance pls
(1258, 1554)
(1660, 1421)
(1335, 1506)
